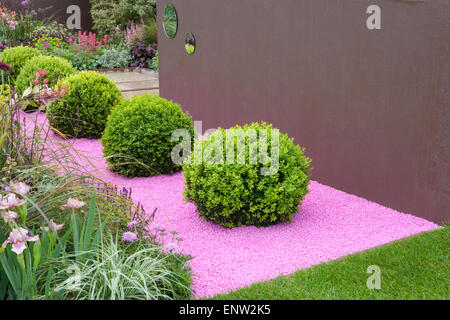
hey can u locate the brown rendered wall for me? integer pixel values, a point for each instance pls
(371, 107)
(58, 9)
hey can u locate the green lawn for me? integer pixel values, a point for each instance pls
(413, 268)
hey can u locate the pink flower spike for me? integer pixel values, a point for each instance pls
(18, 239)
(129, 236)
(20, 188)
(73, 204)
(9, 216)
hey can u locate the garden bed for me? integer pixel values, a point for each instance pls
(331, 224)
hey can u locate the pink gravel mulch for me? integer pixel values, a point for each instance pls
(330, 225)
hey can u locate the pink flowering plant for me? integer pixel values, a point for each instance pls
(15, 26)
(39, 95)
(26, 254)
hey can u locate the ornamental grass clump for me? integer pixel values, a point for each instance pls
(251, 175)
(86, 105)
(137, 140)
(16, 58)
(56, 68)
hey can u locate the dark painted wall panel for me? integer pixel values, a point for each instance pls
(371, 107)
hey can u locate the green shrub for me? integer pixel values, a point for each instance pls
(233, 194)
(155, 62)
(105, 16)
(115, 58)
(137, 139)
(150, 35)
(56, 68)
(49, 45)
(17, 57)
(52, 30)
(135, 10)
(86, 105)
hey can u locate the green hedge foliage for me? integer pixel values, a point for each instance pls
(86, 105)
(17, 57)
(137, 139)
(232, 194)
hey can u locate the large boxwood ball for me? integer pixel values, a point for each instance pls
(84, 109)
(17, 57)
(138, 137)
(57, 68)
(236, 190)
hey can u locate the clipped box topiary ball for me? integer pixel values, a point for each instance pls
(16, 58)
(137, 139)
(84, 109)
(57, 68)
(234, 182)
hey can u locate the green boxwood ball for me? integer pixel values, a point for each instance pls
(234, 193)
(16, 58)
(57, 68)
(84, 109)
(137, 139)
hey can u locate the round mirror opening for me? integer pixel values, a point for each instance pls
(170, 21)
(189, 43)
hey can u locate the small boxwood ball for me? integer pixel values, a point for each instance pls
(138, 137)
(84, 109)
(16, 58)
(57, 68)
(238, 188)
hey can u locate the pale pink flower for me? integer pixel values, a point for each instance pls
(129, 236)
(20, 188)
(73, 204)
(171, 246)
(18, 239)
(53, 226)
(9, 216)
(202, 138)
(10, 201)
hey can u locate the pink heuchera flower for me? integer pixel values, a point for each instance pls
(21, 188)
(10, 201)
(73, 204)
(202, 138)
(18, 239)
(129, 236)
(9, 216)
(53, 226)
(41, 73)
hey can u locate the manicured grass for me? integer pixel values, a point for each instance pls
(412, 268)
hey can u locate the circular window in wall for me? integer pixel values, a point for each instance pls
(189, 43)
(170, 21)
